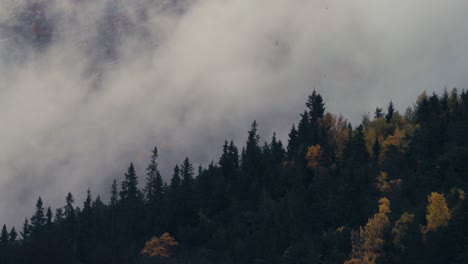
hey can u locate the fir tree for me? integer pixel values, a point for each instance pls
(316, 106)
(38, 220)
(378, 113)
(26, 230)
(154, 182)
(129, 188)
(175, 181)
(390, 111)
(292, 142)
(4, 236)
(48, 216)
(13, 235)
(114, 195)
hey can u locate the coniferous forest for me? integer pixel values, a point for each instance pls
(388, 190)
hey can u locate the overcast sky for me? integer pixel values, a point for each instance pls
(190, 76)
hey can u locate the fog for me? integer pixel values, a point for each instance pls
(97, 84)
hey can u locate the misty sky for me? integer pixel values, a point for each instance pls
(194, 73)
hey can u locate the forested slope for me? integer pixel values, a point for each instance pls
(389, 190)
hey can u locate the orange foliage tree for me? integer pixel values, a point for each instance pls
(162, 246)
(313, 156)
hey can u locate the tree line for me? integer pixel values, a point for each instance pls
(389, 190)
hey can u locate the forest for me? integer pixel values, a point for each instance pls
(388, 190)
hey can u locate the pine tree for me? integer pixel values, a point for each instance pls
(38, 220)
(316, 106)
(390, 111)
(26, 230)
(224, 160)
(129, 188)
(175, 181)
(359, 148)
(87, 203)
(187, 175)
(114, 195)
(59, 215)
(233, 154)
(252, 151)
(13, 235)
(154, 182)
(376, 149)
(378, 113)
(48, 216)
(69, 209)
(304, 130)
(292, 143)
(4, 236)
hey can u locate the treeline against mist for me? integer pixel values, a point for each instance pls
(390, 190)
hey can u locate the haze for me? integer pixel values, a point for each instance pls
(76, 111)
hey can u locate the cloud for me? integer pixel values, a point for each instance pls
(114, 78)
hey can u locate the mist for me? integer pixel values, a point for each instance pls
(109, 80)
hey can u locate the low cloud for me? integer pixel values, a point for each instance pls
(111, 79)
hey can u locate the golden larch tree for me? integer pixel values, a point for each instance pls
(437, 214)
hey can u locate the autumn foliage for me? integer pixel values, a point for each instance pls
(438, 214)
(162, 246)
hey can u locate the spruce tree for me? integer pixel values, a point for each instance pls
(26, 230)
(376, 149)
(175, 181)
(316, 106)
(378, 113)
(48, 216)
(4, 236)
(292, 142)
(13, 235)
(154, 183)
(69, 212)
(38, 220)
(187, 175)
(390, 111)
(114, 195)
(129, 186)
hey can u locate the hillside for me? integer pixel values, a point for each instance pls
(389, 190)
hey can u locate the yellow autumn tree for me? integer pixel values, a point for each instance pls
(382, 182)
(313, 156)
(162, 246)
(400, 230)
(391, 144)
(437, 214)
(367, 245)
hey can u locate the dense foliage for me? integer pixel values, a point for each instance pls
(387, 191)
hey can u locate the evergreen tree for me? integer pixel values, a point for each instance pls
(38, 220)
(59, 215)
(390, 111)
(48, 216)
(234, 155)
(154, 182)
(316, 106)
(87, 203)
(26, 230)
(13, 235)
(4, 236)
(69, 209)
(187, 175)
(292, 143)
(114, 194)
(129, 188)
(304, 131)
(378, 113)
(175, 181)
(376, 149)
(252, 150)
